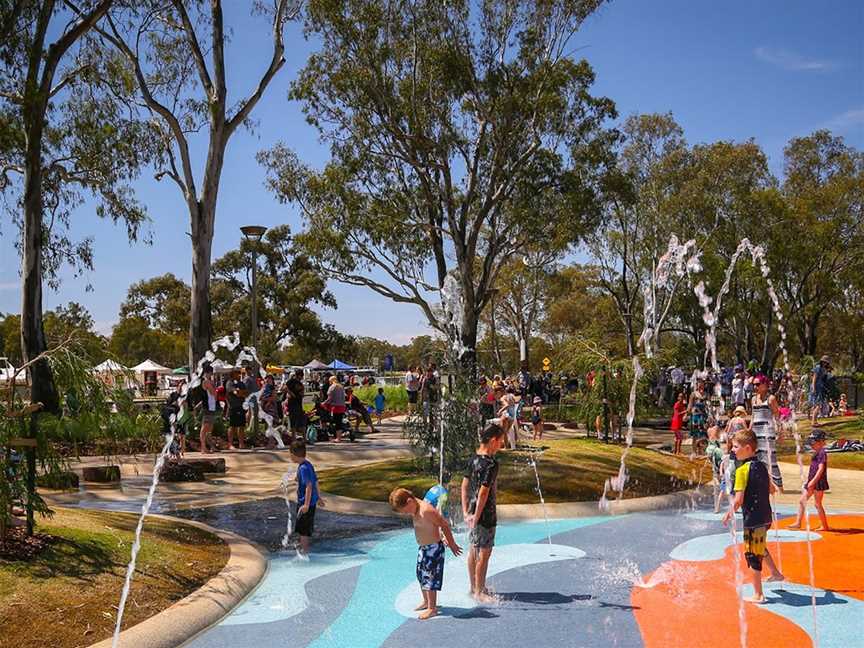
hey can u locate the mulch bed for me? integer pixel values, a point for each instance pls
(19, 546)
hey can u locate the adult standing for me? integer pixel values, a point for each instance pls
(412, 386)
(697, 409)
(335, 402)
(250, 386)
(524, 380)
(235, 394)
(208, 407)
(430, 390)
(679, 411)
(818, 383)
(738, 393)
(766, 413)
(294, 393)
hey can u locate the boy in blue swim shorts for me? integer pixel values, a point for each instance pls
(429, 528)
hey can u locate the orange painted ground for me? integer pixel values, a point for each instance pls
(696, 604)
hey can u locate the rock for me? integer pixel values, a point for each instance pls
(181, 471)
(102, 474)
(58, 480)
(215, 465)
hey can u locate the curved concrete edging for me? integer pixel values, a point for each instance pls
(190, 616)
(680, 499)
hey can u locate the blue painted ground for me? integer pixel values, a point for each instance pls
(360, 593)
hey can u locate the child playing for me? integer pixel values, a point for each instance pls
(753, 488)
(537, 418)
(817, 482)
(714, 454)
(479, 488)
(380, 400)
(429, 526)
(307, 495)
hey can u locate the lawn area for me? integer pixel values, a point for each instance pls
(570, 470)
(846, 427)
(66, 596)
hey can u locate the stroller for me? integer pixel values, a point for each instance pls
(320, 425)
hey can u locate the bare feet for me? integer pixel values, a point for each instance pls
(428, 614)
(775, 578)
(794, 526)
(422, 606)
(821, 528)
(485, 597)
(754, 599)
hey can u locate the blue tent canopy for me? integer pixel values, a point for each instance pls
(338, 364)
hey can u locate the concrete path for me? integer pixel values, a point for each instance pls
(251, 474)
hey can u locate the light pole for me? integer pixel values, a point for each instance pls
(254, 233)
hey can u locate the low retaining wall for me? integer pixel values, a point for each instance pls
(172, 627)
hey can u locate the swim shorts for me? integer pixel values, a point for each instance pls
(237, 417)
(412, 396)
(755, 546)
(430, 566)
(306, 523)
(482, 537)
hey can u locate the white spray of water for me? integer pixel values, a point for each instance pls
(533, 461)
(679, 260)
(228, 342)
(739, 579)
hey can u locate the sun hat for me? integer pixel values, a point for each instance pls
(538, 400)
(740, 410)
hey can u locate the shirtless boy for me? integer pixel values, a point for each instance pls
(429, 526)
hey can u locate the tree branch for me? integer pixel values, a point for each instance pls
(276, 62)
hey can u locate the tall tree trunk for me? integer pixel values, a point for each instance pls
(202, 220)
(33, 341)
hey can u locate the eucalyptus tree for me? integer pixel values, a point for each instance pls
(175, 54)
(459, 133)
(65, 134)
(822, 236)
(637, 226)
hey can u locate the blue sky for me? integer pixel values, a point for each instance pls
(770, 70)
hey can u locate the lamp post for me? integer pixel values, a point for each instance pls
(254, 233)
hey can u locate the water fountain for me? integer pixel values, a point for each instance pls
(710, 317)
(229, 343)
(679, 261)
(247, 355)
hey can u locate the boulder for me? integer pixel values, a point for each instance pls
(181, 471)
(102, 474)
(207, 465)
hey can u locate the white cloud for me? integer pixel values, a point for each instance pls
(789, 60)
(845, 120)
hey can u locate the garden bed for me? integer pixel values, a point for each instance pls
(66, 594)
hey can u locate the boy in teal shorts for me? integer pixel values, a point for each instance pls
(753, 488)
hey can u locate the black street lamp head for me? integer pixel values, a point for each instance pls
(253, 232)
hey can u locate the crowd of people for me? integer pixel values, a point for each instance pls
(237, 397)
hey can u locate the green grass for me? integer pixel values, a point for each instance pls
(395, 395)
(65, 596)
(570, 470)
(846, 427)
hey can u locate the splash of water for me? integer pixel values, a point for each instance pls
(285, 487)
(679, 261)
(533, 461)
(739, 578)
(227, 342)
(757, 254)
